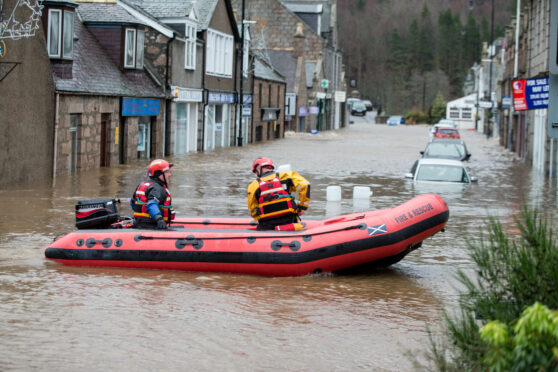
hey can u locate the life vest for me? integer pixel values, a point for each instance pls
(274, 200)
(140, 203)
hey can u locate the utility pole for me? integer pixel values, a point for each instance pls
(241, 96)
(490, 72)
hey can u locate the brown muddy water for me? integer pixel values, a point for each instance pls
(57, 318)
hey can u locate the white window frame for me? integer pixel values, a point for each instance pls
(133, 64)
(220, 48)
(140, 45)
(190, 46)
(70, 25)
(49, 36)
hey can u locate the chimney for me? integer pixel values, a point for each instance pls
(298, 41)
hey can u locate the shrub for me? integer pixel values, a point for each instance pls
(529, 345)
(512, 274)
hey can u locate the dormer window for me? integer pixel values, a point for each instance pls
(60, 36)
(133, 48)
(190, 47)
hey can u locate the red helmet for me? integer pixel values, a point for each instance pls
(262, 162)
(158, 165)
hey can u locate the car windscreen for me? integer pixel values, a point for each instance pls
(438, 149)
(447, 131)
(443, 173)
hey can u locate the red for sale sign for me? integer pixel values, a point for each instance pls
(519, 99)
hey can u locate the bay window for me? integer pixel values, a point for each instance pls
(190, 47)
(219, 53)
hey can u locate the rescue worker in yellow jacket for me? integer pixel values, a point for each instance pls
(270, 199)
(152, 202)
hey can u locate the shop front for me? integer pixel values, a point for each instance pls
(139, 120)
(185, 119)
(218, 114)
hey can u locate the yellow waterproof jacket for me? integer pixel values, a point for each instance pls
(292, 182)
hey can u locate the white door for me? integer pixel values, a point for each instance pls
(193, 127)
(539, 136)
(209, 133)
(181, 129)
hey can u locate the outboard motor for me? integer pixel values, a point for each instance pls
(96, 213)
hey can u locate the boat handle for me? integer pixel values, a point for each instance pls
(277, 244)
(90, 243)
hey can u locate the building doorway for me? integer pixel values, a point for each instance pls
(73, 153)
(144, 137)
(105, 140)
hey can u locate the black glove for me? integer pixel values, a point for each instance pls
(161, 224)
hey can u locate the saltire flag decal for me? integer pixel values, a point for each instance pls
(378, 229)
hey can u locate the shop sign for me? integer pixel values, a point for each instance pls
(530, 94)
(246, 111)
(140, 107)
(187, 95)
(290, 104)
(220, 97)
(340, 96)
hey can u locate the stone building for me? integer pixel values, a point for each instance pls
(108, 110)
(305, 53)
(269, 101)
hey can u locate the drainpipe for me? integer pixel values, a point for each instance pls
(56, 118)
(166, 117)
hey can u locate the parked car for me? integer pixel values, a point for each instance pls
(395, 120)
(447, 123)
(350, 101)
(358, 108)
(368, 104)
(440, 170)
(442, 123)
(442, 148)
(446, 132)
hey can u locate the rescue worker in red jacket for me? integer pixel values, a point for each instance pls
(152, 202)
(270, 199)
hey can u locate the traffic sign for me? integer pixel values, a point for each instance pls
(325, 83)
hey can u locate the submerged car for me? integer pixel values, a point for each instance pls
(358, 108)
(446, 132)
(441, 148)
(395, 120)
(442, 123)
(440, 170)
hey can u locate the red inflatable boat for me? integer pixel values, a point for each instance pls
(341, 244)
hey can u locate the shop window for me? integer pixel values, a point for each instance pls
(466, 113)
(60, 35)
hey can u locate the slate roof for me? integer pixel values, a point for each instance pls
(205, 9)
(165, 8)
(285, 63)
(94, 72)
(263, 71)
(106, 13)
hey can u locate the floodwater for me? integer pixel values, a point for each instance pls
(61, 318)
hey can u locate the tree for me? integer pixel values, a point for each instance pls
(438, 110)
